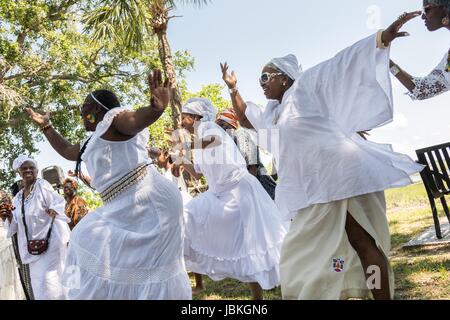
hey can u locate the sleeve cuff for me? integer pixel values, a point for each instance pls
(380, 44)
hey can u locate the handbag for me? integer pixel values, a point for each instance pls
(35, 247)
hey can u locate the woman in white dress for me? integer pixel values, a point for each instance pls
(10, 286)
(436, 14)
(131, 247)
(234, 229)
(164, 162)
(331, 180)
(39, 215)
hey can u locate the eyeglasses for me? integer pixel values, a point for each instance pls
(266, 77)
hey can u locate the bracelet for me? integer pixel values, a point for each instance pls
(47, 126)
(233, 90)
(395, 70)
(380, 43)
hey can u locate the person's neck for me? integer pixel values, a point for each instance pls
(27, 186)
(69, 197)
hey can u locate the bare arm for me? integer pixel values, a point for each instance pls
(404, 77)
(239, 105)
(133, 122)
(206, 142)
(392, 33)
(190, 169)
(59, 143)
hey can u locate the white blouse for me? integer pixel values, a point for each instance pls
(436, 83)
(313, 136)
(223, 166)
(108, 161)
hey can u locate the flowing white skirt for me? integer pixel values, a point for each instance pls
(46, 273)
(10, 286)
(131, 248)
(235, 234)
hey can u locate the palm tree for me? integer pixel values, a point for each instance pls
(131, 23)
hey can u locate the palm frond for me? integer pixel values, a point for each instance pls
(123, 22)
(197, 3)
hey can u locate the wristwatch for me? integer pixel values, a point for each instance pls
(395, 70)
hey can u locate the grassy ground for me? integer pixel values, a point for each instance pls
(421, 273)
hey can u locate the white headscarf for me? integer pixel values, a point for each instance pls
(288, 65)
(201, 107)
(21, 159)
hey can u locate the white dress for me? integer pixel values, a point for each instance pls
(45, 269)
(435, 83)
(326, 170)
(10, 286)
(234, 229)
(131, 247)
(312, 134)
(181, 185)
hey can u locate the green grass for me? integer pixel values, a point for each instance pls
(421, 273)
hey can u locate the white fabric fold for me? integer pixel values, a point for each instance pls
(320, 157)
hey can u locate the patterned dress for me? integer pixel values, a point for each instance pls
(436, 83)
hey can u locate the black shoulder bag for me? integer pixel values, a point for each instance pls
(35, 247)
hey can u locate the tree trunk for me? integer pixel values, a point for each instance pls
(160, 20)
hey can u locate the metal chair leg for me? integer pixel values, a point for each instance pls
(437, 224)
(444, 205)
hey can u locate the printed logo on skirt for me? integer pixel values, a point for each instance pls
(338, 265)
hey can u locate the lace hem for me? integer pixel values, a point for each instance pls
(92, 265)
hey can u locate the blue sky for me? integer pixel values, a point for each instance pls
(248, 33)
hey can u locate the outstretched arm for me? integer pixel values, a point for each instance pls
(133, 122)
(239, 105)
(59, 143)
(393, 32)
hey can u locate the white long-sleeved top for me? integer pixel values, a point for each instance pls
(313, 133)
(41, 198)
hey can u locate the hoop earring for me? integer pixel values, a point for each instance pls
(91, 118)
(446, 21)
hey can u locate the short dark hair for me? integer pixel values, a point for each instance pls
(106, 97)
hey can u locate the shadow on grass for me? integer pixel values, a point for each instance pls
(230, 289)
(409, 288)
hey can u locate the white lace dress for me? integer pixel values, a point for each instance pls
(131, 247)
(436, 83)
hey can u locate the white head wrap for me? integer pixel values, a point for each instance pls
(201, 107)
(288, 65)
(20, 160)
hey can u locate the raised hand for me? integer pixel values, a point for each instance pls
(6, 212)
(230, 79)
(393, 31)
(39, 119)
(160, 93)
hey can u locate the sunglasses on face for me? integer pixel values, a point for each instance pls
(266, 77)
